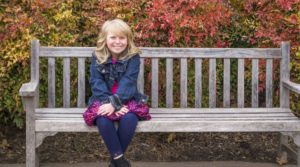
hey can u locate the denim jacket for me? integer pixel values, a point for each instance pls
(103, 76)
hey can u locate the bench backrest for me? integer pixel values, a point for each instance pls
(184, 56)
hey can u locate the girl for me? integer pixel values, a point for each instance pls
(113, 78)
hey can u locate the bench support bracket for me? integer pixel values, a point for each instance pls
(40, 136)
(296, 138)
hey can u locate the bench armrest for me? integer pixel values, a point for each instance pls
(292, 86)
(28, 89)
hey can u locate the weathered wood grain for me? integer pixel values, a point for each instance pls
(81, 83)
(284, 74)
(169, 83)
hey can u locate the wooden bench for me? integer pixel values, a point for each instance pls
(43, 122)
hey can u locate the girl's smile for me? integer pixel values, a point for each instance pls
(116, 43)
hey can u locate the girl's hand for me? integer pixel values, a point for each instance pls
(122, 111)
(106, 109)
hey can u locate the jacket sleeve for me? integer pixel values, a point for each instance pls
(128, 83)
(98, 84)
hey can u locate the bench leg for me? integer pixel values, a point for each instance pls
(32, 159)
(31, 151)
(282, 154)
(298, 156)
(296, 138)
(297, 142)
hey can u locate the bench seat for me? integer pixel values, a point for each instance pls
(180, 120)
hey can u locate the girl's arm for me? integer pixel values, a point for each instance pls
(128, 83)
(99, 88)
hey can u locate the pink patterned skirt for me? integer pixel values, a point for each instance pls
(140, 109)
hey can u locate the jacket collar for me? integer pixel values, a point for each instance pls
(109, 61)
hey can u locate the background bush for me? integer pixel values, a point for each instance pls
(158, 23)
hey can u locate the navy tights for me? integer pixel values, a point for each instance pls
(117, 140)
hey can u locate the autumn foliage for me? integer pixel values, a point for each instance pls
(157, 23)
(184, 23)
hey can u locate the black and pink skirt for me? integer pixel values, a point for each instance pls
(140, 109)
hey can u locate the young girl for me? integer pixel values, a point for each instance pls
(113, 78)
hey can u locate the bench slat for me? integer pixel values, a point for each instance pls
(180, 110)
(254, 99)
(183, 82)
(212, 83)
(141, 77)
(221, 119)
(211, 52)
(198, 82)
(171, 52)
(269, 83)
(178, 126)
(51, 82)
(81, 83)
(154, 83)
(219, 126)
(66, 51)
(183, 115)
(226, 83)
(197, 119)
(66, 82)
(241, 80)
(169, 83)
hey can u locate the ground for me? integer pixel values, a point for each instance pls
(89, 147)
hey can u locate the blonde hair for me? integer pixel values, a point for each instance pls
(117, 27)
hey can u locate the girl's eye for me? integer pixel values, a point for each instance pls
(117, 37)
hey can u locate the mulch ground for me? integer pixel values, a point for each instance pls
(89, 147)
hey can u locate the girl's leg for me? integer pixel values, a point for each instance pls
(126, 130)
(109, 134)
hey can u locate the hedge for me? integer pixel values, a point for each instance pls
(157, 23)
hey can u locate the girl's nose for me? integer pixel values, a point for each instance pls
(117, 40)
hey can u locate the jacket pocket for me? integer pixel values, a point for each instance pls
(102, 69)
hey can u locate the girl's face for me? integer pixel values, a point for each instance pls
(116, 43)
